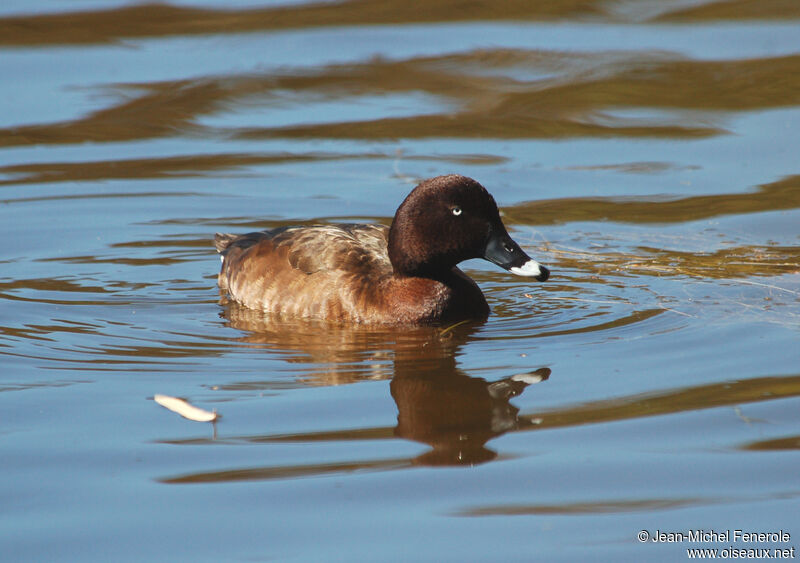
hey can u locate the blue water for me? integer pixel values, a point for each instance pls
(665, 341)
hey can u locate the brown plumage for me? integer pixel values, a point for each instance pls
(374, 274)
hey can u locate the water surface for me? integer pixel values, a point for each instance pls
(645, 151)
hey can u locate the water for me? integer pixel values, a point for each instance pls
(646, 152)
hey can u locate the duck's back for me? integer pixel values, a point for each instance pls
(321, 271)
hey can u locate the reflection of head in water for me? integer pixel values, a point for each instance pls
(456, 414)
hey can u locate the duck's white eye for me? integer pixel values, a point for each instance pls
(456, 211)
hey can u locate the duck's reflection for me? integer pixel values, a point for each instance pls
(333, 354)
(456, 414)
(438, 404)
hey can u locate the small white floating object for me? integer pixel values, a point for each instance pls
(185, 409)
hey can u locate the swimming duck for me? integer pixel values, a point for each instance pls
(373, 274)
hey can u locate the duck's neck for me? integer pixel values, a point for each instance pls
(412, 260)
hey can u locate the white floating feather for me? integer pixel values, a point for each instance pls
(184, 409)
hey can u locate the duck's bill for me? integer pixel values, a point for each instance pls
(503, 251)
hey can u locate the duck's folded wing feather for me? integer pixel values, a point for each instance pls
(353, 248)
(311, 249)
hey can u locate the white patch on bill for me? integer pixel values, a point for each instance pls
(529, 268)
(529, 378)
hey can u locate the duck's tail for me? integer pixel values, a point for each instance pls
(223, 240)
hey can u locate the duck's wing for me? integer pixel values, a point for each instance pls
(310, 249)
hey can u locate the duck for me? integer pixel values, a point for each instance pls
(405, 274)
